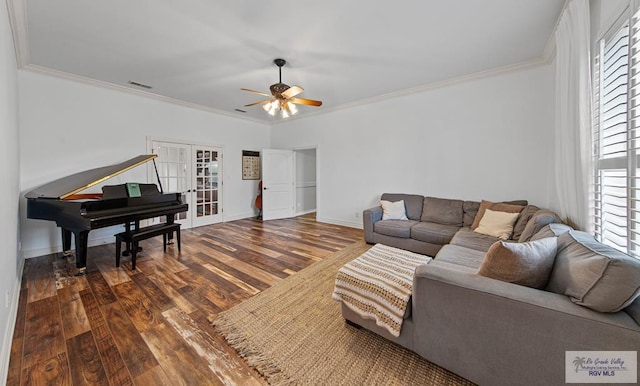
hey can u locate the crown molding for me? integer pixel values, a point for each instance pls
(18, 21)
(542, 61)
(112, 86)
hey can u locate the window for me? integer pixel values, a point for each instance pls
(616, 139)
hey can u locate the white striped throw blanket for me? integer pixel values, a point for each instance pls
(378, 285)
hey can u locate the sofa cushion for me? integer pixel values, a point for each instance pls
(523, 219)
(393, 210)
(495, 206)
(465, 237)
(498, 224)
(538, 221)
(470, 209)
(431, 232)
(593, 274)
(442, 211)
(395, 228)
(461, 256)
(551, 230)
(412, 203)
(528, 264)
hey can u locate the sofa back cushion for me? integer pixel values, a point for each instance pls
(470, 209)
(442, 211)
(538, 221)
(551, 230)
(412, 203)
(593, 274)
(523, 219)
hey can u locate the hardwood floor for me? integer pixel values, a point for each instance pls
(115, 326)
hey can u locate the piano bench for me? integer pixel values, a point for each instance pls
(133, 237)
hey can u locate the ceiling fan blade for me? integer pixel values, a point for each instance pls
(302, 101)
(292, 91)
(255, 92)
(258, 103)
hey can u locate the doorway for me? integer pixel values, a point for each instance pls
(306, 180)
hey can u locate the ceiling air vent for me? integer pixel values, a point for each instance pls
(139, 84)
(241, 111)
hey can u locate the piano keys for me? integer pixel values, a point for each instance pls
(78, 214)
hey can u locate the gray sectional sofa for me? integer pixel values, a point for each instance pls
(493, 332)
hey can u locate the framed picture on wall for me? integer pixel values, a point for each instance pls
(250, 165)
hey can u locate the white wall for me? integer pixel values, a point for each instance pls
(71, 126)
(305, 180)
(490, 138)
(10, 260)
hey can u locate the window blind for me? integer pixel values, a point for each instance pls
(616, 139)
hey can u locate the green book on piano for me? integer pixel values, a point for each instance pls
(133, 189)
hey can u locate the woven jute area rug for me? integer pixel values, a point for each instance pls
(294, 333)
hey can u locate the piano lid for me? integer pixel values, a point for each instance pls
(75, 183)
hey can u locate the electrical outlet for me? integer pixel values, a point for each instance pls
(357, 214)
(6, 300)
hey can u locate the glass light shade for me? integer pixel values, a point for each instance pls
(266, 106)
(285, 114)
(292, 108)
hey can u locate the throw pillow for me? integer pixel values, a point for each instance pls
(593, 274)
(393, 210)
(495, 206)
(497, 224)
(528, 264)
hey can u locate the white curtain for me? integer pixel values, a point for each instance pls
(573, 156)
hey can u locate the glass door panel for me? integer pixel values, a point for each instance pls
(207, 168)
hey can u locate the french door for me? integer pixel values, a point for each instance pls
(194, 171)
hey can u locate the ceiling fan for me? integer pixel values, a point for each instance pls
(282, 96)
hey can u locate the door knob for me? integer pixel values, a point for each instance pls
(265, 188)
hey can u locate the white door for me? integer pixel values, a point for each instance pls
(174, 170)
(207, 183)
(277, 184)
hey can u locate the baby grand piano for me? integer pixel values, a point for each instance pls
(76, 213)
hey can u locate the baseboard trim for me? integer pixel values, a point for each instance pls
(11, 325)
(350, 224)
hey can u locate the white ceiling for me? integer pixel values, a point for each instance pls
(201, 52)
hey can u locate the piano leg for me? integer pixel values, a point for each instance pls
(81, 251)
(170, 220)
(66, 242)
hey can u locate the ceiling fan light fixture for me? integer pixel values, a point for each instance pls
(266, 107)
(285, 114)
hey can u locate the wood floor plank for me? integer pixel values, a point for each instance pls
(74, 318)
(141, 311)
(152, 325)
(177, 359)
(135, 353)
(42, 283)
(51, 371)
(100, 288)
(84, 361)
(207, 348)
(43, 337)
